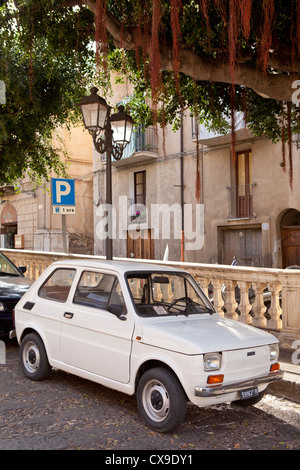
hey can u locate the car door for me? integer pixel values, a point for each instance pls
(92, 338)
(49, 303)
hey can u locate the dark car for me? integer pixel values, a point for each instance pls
(13, 284)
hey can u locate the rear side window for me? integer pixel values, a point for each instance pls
(94, 289)
(58, 285)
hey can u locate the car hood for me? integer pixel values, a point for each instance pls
(14, 286)
(202, 335)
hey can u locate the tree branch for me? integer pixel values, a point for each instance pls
(275, 86)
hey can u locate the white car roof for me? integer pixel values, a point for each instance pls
(120, 266)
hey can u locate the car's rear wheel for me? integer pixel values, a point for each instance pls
(33, 357)
(161, 399)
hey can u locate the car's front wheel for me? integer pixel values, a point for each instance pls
(161, 399)
(33, 357)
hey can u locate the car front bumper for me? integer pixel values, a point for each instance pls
(238, 386)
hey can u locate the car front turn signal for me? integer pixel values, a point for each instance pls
(275, 367)
(215, 379)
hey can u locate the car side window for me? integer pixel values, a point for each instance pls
(58, 285)
(94, 289)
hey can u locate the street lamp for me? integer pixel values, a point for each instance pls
(111, 133)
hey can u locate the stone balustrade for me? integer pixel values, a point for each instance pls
(265, 298)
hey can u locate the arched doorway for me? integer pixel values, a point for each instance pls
(290, 238)
(9, 226)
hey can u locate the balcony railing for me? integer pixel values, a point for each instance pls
(141, 141)
(240, 202)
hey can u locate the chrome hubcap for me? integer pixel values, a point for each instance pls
(156, 401)
(31, 357)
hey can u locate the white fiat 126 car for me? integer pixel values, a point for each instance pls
(142, 329)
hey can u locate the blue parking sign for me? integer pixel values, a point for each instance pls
(63, 192)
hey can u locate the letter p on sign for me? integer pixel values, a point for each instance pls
(63, 188)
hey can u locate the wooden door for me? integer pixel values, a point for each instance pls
(244, 244)
(141, 245)
(290, 246)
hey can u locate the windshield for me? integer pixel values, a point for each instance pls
(159, 293)
(7, 267)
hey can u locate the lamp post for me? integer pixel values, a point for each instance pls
(111, 133)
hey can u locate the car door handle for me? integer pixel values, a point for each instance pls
(68, 315)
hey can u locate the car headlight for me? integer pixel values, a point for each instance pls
(212, 361)
(274, 352)
(2, 307)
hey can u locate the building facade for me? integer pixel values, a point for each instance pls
(26, 214)
(246, 209)
(252, 212)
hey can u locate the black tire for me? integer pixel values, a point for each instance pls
(251, 401)
(33, 358)
(161, 400)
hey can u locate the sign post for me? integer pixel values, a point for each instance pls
(63, 202)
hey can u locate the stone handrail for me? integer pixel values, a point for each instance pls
(262, 297)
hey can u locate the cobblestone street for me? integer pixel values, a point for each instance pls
(66, 412)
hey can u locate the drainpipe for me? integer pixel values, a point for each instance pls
(182, 188)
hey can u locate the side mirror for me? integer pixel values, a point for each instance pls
(22, 269)
(117, 310)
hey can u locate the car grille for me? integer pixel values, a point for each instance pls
(251, 362)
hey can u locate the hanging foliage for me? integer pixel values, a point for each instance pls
(290, 144)
(245, 12)
(266, 32)
(176, 7)
(155, 49)
(165, 46)
(283, 137)
(224, 25)
(100, 34)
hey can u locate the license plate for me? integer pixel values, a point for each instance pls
(249, 393)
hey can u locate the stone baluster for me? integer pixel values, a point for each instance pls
(244, 305)
(168, 293)
(136, 289)
(33, 270)
(275, 311)
(218, 299)
(290, 296)
(39, 271)
(259, 308)
(230, 303)
(178, 287)
(157, 294)
(204, 283)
